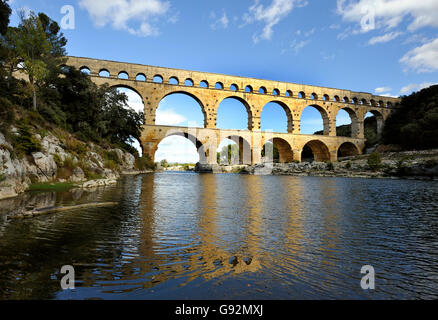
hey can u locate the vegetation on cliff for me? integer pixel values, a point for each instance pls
(57, 99)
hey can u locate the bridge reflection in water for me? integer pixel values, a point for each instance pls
(225, 236)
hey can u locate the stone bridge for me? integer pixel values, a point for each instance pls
(153, 84)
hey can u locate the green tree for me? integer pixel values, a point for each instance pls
(33, 48)
(5, 12)
(374, 161)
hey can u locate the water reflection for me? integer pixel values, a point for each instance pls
(185, 235)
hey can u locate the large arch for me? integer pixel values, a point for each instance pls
(192, 97)
(285, 152)
(380, 122)
(221, 121)
(319, 151)
(175, 147)
(244, 148)
(347, 149)
(325, 119)
(289, 120)
(354, 129)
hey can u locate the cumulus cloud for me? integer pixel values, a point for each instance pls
(415, 87)
(169, 118)
(382, 89)
(390, 13)
(219, 22)
(423, 58)
(384, 38)
(270, 15)
(122, 14)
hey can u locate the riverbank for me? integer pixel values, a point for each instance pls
(403, 165)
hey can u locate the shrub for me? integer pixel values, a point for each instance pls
(58, 160)
(75, 146)
(25, 143)
(348, 165)
(2, 177)
(112, 156)
(144, 163)
(330, 166)
(374, 161)
(111, 164)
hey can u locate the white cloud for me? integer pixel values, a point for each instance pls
(423, 58)
(384, 38)
(168, 117)
(382, 89)
(221, 22)
(390, 13)
(296, 46)
(415, 87)
(121, 14)
(270, 15)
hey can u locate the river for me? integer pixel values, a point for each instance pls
(182, 235)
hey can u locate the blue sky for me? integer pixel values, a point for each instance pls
(387, 47)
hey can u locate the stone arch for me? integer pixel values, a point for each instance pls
(189, 82)
(276, 92)
(324, 114)
(104, 73)
(314, 96)
(174, 80)
(123, 75)
(326, 97)
(125, 86)
(347, 149)
(140, 77)
(319, 149)
(248, 89)
(289, 93)
(262, 90)
(336, 98)
(234, 87)
(286, 110)
(204, 84)
(158, 78)
(197, 143)
(354, 100)
(302, 95)
(245, 154)
(201, 104)
(245, 104)
(285, 151)
(219, 86)
(85, 69)
(364, 101)
(379, 118)
(346, 100)
(354, 121)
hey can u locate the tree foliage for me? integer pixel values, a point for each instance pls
(5, 12)
(415, 124)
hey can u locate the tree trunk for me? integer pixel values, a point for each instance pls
(34, 98)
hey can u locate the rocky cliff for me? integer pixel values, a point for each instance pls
(58, 161)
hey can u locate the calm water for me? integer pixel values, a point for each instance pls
(173, 234)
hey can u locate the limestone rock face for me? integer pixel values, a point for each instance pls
(78, 175)
(46, 164)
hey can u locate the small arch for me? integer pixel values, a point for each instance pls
(219, 86)
(140, 77)
(158, 79)
(315, 150)
(276, 92)
(346, 100)
(326, 97)
(347, 149)
(104, 73)
(354, 100)
(234, 87)
(314, 96)
(234, 149)
(373, 102)
(85, 70)
(381, 104)
(278, 150)
(189, 82)
(262, 90)
(203, 84)
(364, 101)
(173, 81)
(389, 104)
(336, 98)
(123, 75)
(289, 93)
(302, 95)
(248, 89)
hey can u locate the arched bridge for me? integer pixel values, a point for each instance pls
(155, 83)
